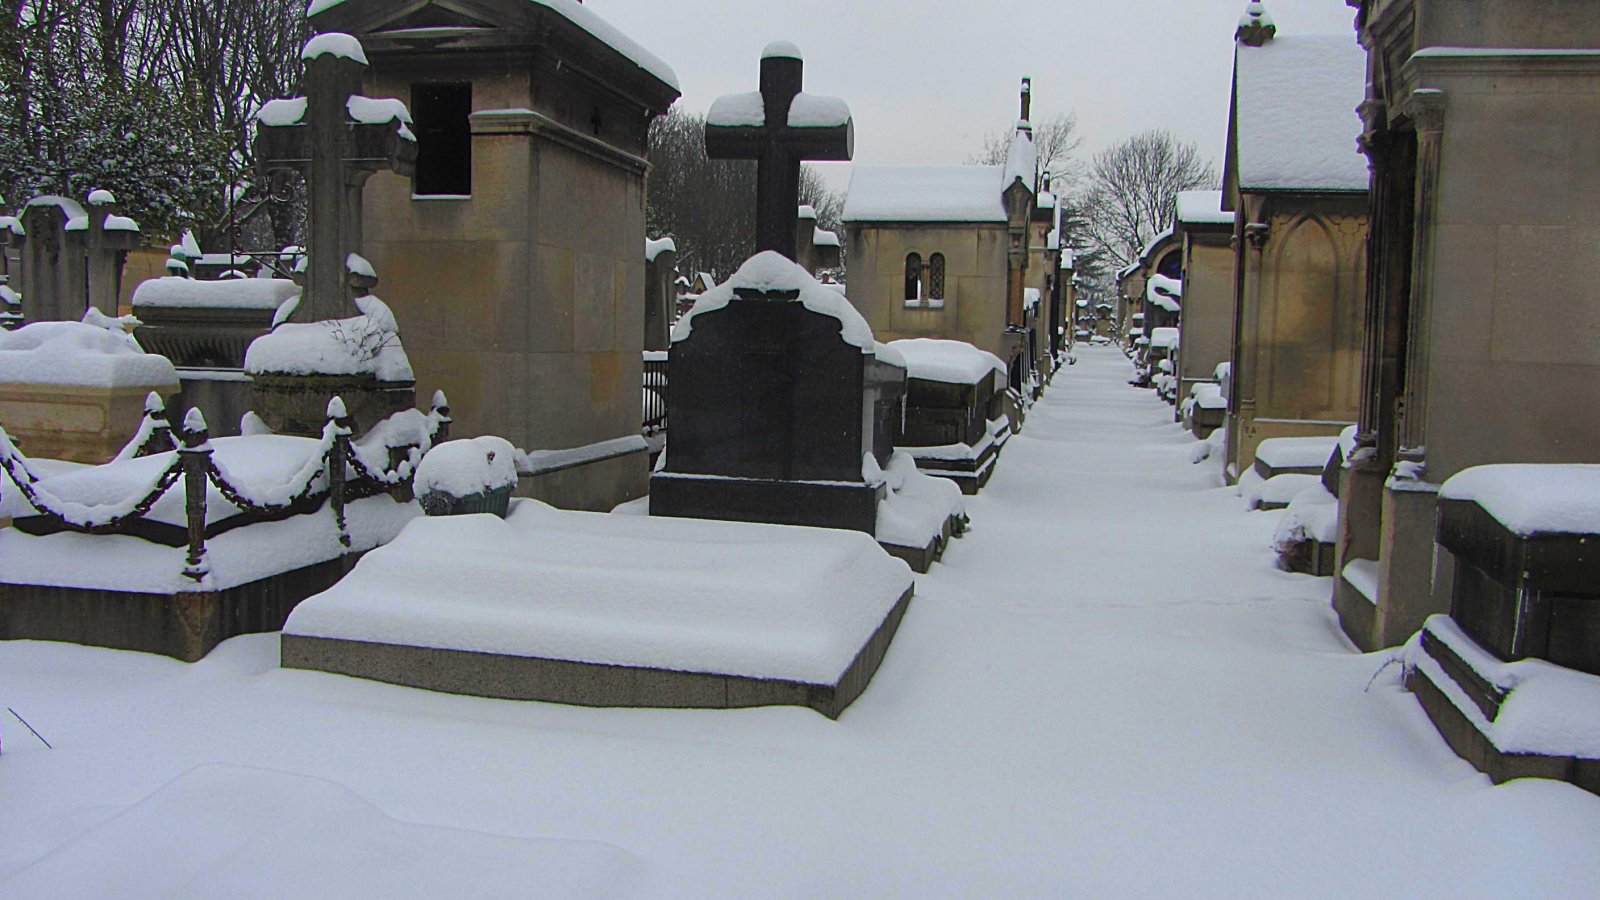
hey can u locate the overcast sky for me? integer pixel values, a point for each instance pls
(926, 80)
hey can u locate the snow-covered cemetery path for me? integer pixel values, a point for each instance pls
(1105, 690)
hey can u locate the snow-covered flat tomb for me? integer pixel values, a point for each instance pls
(611, 610)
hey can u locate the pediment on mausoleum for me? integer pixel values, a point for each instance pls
(561, 30)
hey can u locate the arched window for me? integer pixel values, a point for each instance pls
(936, 277)
(913, 277)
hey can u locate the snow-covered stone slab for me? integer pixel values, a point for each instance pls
(1521, 719)
(235, 831)
(602, 610)
(1294, 455)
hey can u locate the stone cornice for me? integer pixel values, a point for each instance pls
(529, 122)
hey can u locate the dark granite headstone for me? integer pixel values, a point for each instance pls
(777, 397)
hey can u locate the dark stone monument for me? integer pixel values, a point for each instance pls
(777, 393)
(72, 256)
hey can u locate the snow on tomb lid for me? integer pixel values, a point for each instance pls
(733, 598)
(186, 293)
(821, 237)
(772, 273)
(80, 354)
(1532, 498)
(281, 112)
(952, 362)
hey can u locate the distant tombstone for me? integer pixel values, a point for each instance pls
(72, 256)
(660, 291)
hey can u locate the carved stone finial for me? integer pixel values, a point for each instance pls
(1255, 26)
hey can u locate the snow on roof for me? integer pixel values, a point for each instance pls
(733, 598)
(77, 217)
(1164, 337)
(821, 237)
(1202, 208)
(78, 353)
(1124, 273)
(771, 271)
(952, 362)
(171, 292)
(575, 12)
(334, 43)
(1022, 159)
(1154, 242)
(709, 279)
(1295, 114)
(654, 248)
(925, 194)
(1533, 499)
(807, 211)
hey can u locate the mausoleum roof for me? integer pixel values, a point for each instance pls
(926, 194)
(1294, 122)
(1202, 208)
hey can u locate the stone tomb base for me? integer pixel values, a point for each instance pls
(612, 610)
(185, 626)
(1460, 687)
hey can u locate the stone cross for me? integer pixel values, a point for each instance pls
(72, 256)
(336, 138)
(779, 127)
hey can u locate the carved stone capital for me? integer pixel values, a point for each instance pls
(1426, 108)
(1257, 233)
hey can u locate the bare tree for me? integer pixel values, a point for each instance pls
(1057, 140)
(1132, 194)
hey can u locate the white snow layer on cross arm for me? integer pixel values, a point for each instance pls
(1296, 123)
(925, 194)
(376, 110)
(770, 271)
(952, 362)
(1532, 499)
(738, 110)
(1202, 208)
(734, 598)
(287, 111)
(575, 12)
(172, 292)
(821, 237)
(654, 248)
(817, 111)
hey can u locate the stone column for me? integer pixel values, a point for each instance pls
(1426, 109)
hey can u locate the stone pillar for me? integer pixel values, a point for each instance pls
(52, 270)
(1426, 108)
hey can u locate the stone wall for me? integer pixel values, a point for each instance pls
(975, 296)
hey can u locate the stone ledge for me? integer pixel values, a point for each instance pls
(581, 683)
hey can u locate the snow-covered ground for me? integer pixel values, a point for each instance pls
(1106, 690)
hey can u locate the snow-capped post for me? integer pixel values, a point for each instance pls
(440, 413)
(1255, 26)
(336, 138)
(339, 426)
(195, 454)
(156, 428)
(779, 126)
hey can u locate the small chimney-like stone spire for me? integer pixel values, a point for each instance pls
(1027, 98)
(1255, 26)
